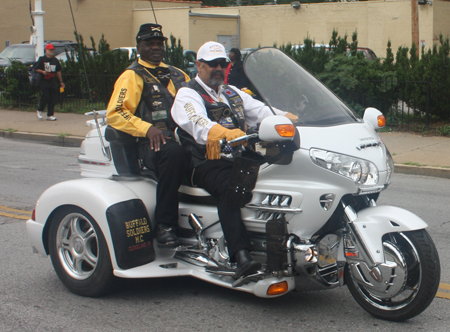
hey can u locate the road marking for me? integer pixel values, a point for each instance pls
(25, 215)
(444, 286)
(443, 295)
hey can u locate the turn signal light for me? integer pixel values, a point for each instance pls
(285, 130)
(278, 288)
(381, 121)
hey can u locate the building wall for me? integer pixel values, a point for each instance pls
(441, 22)
(165, 17)
(203, 29)
(92, 18)
(375, 22)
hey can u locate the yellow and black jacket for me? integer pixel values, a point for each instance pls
(140, 100)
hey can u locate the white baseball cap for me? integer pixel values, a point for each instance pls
(212, 50)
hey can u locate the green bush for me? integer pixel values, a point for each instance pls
(16, 87)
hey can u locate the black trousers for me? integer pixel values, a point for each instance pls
(170, 164)
(214, 176)
(49, 98)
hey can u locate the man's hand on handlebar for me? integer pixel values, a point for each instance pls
(240, 140)
(156, 137)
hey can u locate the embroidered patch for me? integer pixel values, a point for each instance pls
(159, 115)
(236, 100)
(217, 113)
(239, 112)
(229, 93)
(208, 98)
(226, 122)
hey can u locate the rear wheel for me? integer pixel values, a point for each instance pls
(411, 276)
(79, 253)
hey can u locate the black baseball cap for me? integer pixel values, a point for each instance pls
(150, 30)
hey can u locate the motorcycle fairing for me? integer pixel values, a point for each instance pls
(374, 222)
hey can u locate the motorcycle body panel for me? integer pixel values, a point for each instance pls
(374, 222)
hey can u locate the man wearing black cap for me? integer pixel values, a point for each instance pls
(140, 106)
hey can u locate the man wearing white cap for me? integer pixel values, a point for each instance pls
(208, 111)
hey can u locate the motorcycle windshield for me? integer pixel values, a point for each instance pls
(287, 86)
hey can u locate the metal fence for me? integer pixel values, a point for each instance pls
(390, 96)
(16, 91)
(406, 104)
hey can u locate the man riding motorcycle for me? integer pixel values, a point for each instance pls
(140, 106)
(208, 111)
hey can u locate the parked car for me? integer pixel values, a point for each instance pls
(63, 56)
(19, 52)
(368, 53)
(246, 51)
(189, 62)
(62, 45)
(131, 51)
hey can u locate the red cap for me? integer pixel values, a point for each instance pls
(49, 47)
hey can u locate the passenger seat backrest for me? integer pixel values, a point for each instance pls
(124, 150)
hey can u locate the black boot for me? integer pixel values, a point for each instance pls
(166, 236)
(245, 264)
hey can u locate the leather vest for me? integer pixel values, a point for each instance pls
(156, 100)
(230, 117)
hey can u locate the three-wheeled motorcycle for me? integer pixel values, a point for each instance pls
(313, 219)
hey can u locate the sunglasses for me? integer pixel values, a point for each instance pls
(214, 63)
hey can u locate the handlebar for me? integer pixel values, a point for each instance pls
(224, 142)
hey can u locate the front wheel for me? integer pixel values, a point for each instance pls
(414, 270)
(79, 253)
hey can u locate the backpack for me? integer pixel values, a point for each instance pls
(33, 75)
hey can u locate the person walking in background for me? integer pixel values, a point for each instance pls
(235, 74)
(50, 83)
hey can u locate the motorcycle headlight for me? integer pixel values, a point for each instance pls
(361, 171)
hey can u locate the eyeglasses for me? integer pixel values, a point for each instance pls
(214, 63)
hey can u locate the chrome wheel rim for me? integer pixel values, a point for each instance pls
(77, 246)
(411, 286)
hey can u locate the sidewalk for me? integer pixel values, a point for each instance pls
(413, 154)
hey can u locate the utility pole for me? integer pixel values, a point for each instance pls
(37, 38)
(415, 23)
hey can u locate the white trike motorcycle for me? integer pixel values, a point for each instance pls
(313, 220)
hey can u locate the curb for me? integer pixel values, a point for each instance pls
(75, 141)
(70, 141)
(438, 172)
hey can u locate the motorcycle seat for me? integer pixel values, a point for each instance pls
(195, 195)
(124, 150)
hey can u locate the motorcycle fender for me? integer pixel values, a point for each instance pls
(374, 222)
(98, 197)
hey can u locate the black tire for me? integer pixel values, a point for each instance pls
(79, 253)
(421, 280)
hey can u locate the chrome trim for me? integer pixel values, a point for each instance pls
(366, 255)
(280, 209)
(368, 145)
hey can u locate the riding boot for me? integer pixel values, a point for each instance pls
(245, 264)
(166, 236)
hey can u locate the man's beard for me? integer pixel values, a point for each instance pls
(215, 80)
